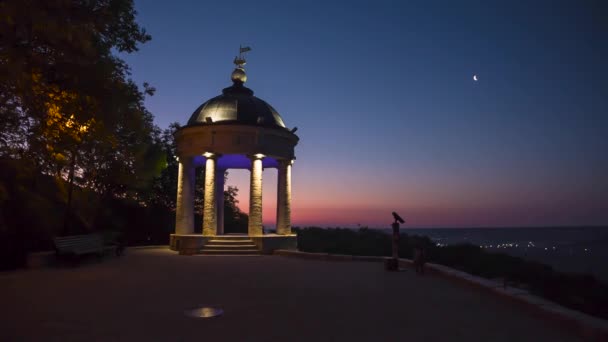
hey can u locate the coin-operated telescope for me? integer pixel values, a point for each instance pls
(393, 263)
(398, 218)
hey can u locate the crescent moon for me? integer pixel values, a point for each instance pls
(475, 78)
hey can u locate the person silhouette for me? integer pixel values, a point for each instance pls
(419, 259)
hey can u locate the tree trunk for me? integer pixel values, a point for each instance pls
(68, 205)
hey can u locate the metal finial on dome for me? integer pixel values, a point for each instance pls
(238, 75)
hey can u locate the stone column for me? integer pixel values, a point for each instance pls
(280, 197)
(210, 210)
(284, 198)
(219, 200)
(184, 210)
(255, 196)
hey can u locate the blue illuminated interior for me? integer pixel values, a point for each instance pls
(236, 161)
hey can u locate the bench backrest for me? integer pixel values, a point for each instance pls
(76, 243)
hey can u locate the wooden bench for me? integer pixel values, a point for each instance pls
(77, 245)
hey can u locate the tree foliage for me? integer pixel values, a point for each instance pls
(70, 113)
(235, 221)
(67, 105)
(50, 46)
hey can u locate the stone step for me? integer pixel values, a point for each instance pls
(242, 246)
(230, 251)
(230, 245)
(231, 237)
(230, 242)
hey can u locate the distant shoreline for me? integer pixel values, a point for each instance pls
(452, 228)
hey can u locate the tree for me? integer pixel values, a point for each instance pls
(235, 221)
(66, 102)
(163, 189)
(56, 47)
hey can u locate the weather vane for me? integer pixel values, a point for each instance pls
(240, 61)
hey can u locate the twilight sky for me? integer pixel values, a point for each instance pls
(387, 111)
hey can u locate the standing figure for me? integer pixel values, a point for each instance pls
(419, 259)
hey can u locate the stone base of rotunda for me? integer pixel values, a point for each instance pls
(188, 244)
(193, 243)
(268, 243)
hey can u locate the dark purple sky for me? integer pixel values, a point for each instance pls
(388, 113)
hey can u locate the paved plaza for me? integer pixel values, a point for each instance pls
(143, 296)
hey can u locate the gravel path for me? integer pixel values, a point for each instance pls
(142, 296)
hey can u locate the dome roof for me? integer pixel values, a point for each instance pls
(237, 105)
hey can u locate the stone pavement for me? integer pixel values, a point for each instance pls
(143, 295)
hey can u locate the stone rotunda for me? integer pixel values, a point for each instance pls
(235, 130)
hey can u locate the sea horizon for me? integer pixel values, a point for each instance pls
(404, 226)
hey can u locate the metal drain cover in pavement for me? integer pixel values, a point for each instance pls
(204, 312)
